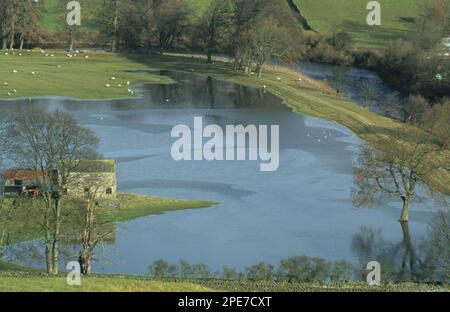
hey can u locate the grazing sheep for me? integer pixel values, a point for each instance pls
(119, 85)
(86, 57)
(59, 66)
(128, 83)
(15, 91)
(5, 83)
(33, 73)
(15, 71)
(279, 79)
(108, 85)
(9, 94)
(113, 78)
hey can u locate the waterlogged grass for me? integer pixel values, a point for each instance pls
(136, 206)
(33, 74)
(25, 224)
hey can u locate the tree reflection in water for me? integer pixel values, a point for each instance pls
(408, 260)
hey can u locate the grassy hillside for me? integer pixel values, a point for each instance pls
(53, 17)
(325, 16)
(328, 16)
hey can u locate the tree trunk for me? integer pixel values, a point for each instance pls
(260, 70)
(22, 41)
(11, 44)
(5, 227)
(48, 248)
(405, 211)
(56, 236)
(4, 45)
(71, 40)
(116, 24)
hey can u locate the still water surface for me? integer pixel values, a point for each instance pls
(304, 208)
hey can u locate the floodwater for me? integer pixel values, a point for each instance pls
(303, 208)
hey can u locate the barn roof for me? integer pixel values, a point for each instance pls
(105, 166)
(22, 174)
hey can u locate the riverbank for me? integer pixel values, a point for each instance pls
(89, 78)
(309, 97)
(32, 282)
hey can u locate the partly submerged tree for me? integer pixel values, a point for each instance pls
(395, 167)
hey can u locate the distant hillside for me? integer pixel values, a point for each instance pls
(328, 16)
(325, 16)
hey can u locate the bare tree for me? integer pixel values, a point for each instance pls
(434, 22)
(214, 25)
(170, 18)
(436, 120)
(414, 109)
(395, 167)
(51, 145)
(95, 227)
(263, 30)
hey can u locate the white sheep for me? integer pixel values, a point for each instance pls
(108, 85)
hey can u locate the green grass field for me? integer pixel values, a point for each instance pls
(329, 16)
(35, 74)
(26, 283)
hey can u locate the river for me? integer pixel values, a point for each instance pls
(303, 208)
